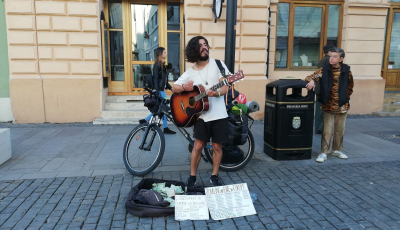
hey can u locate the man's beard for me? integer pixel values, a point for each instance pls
(204, 58)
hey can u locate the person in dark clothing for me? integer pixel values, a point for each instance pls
(160, 82)
(318, 122)
(336, 87)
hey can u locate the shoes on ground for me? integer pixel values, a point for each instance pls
(142, 121)
(319, 131)
(339, 154)
(191, 182)
(216, 180)
(168, 131)
(321, 158)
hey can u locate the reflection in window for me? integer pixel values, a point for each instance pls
(306, 36)
(173, 16)
(282, 36)
(115, 14)
(333, 24)
(305, 25)
(144, 31)
(394, 54)
(117, 55)
(174, 48)
(139, 72)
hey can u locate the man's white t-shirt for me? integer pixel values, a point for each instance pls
(210, 74)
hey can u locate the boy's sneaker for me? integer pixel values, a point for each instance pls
(191, 182)
(142, 121)
(321, 158)
(216, 180)
(339, 154)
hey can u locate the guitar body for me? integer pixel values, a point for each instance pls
(185, 110)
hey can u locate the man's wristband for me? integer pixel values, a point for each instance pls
(183, 88)
(219, 94)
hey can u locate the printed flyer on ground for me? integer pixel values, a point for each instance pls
(229, 201)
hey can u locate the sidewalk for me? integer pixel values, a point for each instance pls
(72, 176)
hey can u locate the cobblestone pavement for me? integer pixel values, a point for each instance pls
(363, 195)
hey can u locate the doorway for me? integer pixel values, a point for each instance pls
(136, 29)
(391, 61)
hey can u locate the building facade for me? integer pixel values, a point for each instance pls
(64, 60)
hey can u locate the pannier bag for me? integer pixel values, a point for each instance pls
(134, 202)
(238, 129)
(231, 154)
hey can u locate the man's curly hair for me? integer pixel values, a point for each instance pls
(192, 50)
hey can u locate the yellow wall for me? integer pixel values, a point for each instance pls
(55, 60)
(362, 39)
(55, 55)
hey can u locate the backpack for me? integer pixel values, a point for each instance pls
(148, 81)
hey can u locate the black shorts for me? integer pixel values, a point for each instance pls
(217, 130)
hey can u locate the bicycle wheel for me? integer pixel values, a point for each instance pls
(140, 162)
(235, 157)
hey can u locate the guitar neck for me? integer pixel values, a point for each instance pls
(215, 87)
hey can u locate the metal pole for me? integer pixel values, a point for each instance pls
(230, 35)
(268, 37)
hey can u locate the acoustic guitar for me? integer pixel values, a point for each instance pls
(187, 106)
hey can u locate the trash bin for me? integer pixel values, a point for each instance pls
(289, 119)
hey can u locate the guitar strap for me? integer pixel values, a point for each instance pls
(222, 69)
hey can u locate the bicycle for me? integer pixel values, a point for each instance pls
(145, 145)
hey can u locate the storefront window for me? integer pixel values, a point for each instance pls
(139, 72)
(333, 24)
(117, 56)
(115, 14)
(301, 35)
(282, 36)
(306, 36)
(174, 56)
(173, 16)
(116, 40)
(144, 31)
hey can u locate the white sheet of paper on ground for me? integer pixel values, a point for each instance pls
(229, 201)
(191, 207)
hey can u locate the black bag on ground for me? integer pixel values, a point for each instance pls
(238, 129)
(136, 208)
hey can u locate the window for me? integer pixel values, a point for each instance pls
(302, 31)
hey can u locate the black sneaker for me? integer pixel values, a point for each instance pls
(168, 131)
(191, 182)
(142, 121)
(216, 180)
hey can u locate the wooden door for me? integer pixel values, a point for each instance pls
(391, 62)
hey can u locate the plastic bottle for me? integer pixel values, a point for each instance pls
(253, 196)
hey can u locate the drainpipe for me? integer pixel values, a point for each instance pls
(230, 36)
(268, 38)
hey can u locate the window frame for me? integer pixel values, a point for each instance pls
(324, 30)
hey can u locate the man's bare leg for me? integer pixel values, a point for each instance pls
(217, 156)
(196, 156)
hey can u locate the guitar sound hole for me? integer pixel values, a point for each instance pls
(192, 102)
